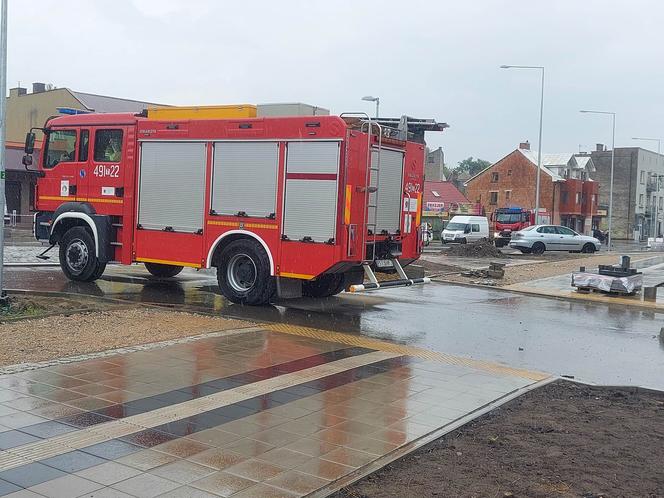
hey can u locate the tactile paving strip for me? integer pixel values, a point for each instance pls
(400, 349)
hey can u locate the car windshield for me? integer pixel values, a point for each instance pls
(508, 217)
(455, 226)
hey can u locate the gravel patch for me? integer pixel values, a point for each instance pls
(30, 341)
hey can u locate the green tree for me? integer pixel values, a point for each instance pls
(472, 166)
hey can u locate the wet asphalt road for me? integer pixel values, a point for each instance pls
(607, 344)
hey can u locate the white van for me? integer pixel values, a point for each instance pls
(463, 229)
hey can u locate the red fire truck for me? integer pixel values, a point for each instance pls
(512, 219)
(283, 206)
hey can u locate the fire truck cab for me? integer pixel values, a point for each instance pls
(284, 206)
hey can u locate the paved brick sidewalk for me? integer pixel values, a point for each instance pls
(250, 413)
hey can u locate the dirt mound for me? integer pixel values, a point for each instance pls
(482, 249)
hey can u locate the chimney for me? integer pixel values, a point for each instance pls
(599, 147)
(524, 145)
(18, 91)
(38, 87)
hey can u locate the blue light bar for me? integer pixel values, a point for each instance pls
(71, 110)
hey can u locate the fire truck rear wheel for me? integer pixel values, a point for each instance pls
(162, 271)
(324, 286)
(243, 273)
(77, 256)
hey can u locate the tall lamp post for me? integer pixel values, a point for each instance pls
(613, 157)
(3, 132)
(539, 141)
(369, 98)
(655, 223)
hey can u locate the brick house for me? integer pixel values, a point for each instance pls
(567, 193)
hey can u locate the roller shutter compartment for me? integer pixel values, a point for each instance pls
(172, 186)
(245, 178)
(390, 190)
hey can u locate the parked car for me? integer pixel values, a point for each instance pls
(540, 238)
(464, 229)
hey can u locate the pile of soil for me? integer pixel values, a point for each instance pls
(561, 440)
(481, 249)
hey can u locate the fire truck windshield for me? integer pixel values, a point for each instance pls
(60, 146)
(508, 217)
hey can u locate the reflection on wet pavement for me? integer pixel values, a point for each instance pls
(593, 342)
(257, 413)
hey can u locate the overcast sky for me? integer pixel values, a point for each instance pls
(430, 59)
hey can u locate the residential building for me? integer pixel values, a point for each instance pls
(440, 201)
(638, 190)
(433, 167)
(567, 193)
(26, 110)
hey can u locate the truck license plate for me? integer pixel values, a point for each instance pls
(384, 263)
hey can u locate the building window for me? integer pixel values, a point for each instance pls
(594, 199)
(641, 200)
(435, 194)
(494, 177)
(578, 197)
(661, 203)
(508, 195)
(493, 198)
(563, 197)
(643, 178)
(509, 172)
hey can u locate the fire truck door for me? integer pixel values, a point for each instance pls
(61, 169)
(104, 177)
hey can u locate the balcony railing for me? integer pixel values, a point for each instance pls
(652, 184)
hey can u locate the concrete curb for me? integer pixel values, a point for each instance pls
(381, 462)
(580, 298)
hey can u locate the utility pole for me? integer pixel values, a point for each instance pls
(3, 134)
(539, 141)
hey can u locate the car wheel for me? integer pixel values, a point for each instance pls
(588, 249)
(77, 256)
(243, 273)
(538, 248)
(464, 241)
(161, 270)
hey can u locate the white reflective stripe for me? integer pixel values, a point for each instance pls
(244, 232)
(84, 217)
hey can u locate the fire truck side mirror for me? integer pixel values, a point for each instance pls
(29, 143)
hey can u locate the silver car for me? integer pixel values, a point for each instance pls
(540, 238)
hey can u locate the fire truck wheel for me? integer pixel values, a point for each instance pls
(243, 273)
(324, 286)
(162, 271)
(77, 256)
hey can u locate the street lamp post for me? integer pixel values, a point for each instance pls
(3, 132)
(613, 157)
(539, 141)
(655, 223)
(369, 98)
